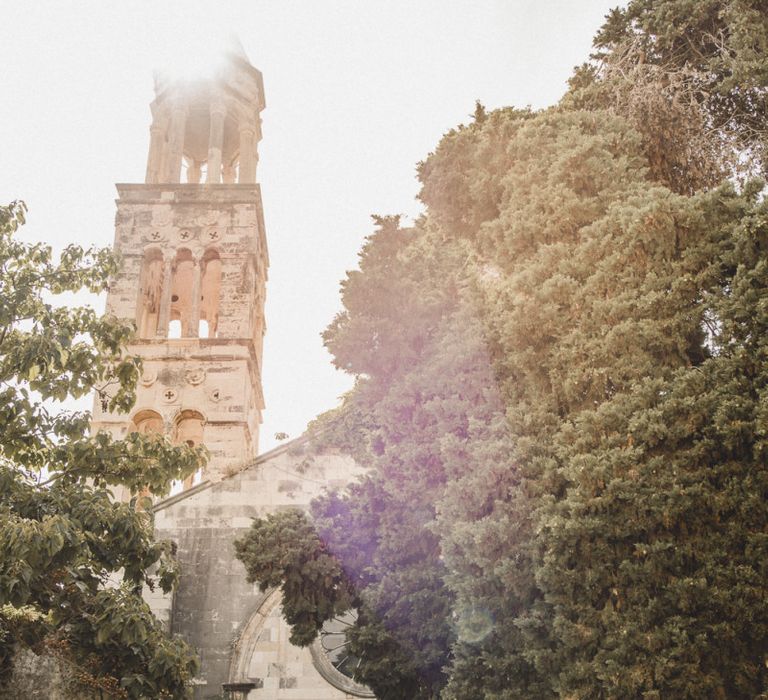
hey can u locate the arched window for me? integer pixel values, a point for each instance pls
(181, 294)
(210, 291)
(148, 423)
(189, 428)
(150, 293)
(189, 431)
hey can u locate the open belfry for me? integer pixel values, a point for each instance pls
(194, 263)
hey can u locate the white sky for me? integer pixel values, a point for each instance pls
(357, 93)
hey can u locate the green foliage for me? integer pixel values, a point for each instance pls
(381, 532)
(73, 561)
(587, 302)
(284, 551)
(597, 314)
(652, 560)
(691, 77)
(561, 390)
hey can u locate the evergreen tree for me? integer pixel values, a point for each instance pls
(588, 304)
(413, 394)
(691, 77)
(561, 393)
(655, 565)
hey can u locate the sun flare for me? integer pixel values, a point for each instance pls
(196, 58)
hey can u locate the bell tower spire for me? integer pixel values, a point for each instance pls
(210, 125)
(194, 267)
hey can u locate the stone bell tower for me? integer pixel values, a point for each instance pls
(194, 268)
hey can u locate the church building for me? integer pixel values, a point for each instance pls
(194, 270)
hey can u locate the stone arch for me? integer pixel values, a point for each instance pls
(210, 293)
(263, 657)
(150, 293)
(182, 284)
(188, 428)
(147, 422)
(248, 638)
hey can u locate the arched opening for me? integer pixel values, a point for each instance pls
(189, 431)
(263, 644)
(150, 293)
(182, 281)
(210, 291)
(189, 428)
(147, 422)
(192, 170)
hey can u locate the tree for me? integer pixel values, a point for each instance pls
(500, 400)
(73, 561)
(654, 565)
(373, 549)
(564, 418)
(607, 301)
(691, 77)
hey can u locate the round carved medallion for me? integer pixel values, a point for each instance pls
(161, 216)
(148, 377)
(209, 218)
(170, 395)
(195, 376)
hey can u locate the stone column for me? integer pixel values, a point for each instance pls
(194, 311)
(164, 317)
(193, 172)
(247, 155)
(176, 143)
(155, 157)
(228, 174)
(216, 142)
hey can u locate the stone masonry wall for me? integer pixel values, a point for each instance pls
(214, 604)
(217, 378)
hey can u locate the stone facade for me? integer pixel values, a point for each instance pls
(194, 268)
(37, 677)
(238, 630)
(209, 248)
(193, 279)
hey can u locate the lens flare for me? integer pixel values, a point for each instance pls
(201, 58)
(473, 624)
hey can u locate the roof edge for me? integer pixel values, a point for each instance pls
(204, 485)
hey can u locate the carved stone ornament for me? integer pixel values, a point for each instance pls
(170, 395)
(154, 236)
(212, 235)
(215, 395)
(209, 218)
(195, 376)
(185, 235)
(148, 377)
